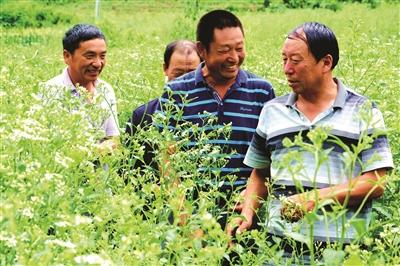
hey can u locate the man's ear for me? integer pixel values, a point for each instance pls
(327, 61)
(202, 50)
(67, 57)
(165, 68)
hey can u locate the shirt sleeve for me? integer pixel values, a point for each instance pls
(379, 154)
(257, 155)
(170, 105)
(111, 126)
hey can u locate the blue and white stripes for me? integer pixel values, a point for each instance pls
(280, 119)
(240, 109)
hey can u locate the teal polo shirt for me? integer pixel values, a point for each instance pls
(281, 119)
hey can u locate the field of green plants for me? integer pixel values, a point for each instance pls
(63, 202)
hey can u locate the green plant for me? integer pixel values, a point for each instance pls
(59, 205)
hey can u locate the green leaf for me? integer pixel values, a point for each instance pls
(359, 225)
(353, 260)
(333, 257)
(298, 237)
(311, 217)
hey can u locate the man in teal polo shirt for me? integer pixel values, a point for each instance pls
(310, 53)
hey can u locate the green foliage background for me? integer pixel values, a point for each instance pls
(47, 182)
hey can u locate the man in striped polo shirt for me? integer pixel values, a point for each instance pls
(219, 88)
(307, 175)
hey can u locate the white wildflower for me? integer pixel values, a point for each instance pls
(63, 160)
(50, 176)
(92, 259)
(97, 219)
(138, 254)
(31, 166)
(9, 241)
(62, 224)
(207, 216)
(27, 212)
(82, 220)
(24, 237)
(395, 230)
(35, 199)
(84, 149)
(18, 135)
(125, 202)
(60, 188)
(30, 124)
(61, 243)
(126, 240)
(3, 119)
(35, 108)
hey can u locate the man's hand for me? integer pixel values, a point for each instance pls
(239, 204)
(294, 207)
(107, 146)
(305, 200)
(238, 226)
(291, 211)
(256, 190)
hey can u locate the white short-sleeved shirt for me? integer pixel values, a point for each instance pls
(102, 90)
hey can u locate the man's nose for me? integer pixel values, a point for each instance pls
(233, 56)
(287, 68)
(98, 62)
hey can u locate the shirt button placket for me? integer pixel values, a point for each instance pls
(220, 112)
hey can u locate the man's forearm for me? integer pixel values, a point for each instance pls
(352, 193)
(256, 189)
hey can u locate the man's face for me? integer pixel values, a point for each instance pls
(303, 72)
(181, 63)
(225, 54)
(87, 62)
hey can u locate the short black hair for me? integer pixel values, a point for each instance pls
(320, 40)
(80, 33)
(216, 19)
(185, 46)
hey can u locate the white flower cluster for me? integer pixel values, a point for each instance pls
(9, 240)
(92, 259)
(63, 160)
(51, 176)
(27, 212)
(61, 243)
(29, 129)
(79, 219)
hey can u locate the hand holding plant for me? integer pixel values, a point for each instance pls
(294, 207)
(107, 146)
(238, 225)
(291, 211)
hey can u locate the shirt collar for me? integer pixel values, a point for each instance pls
(67, 79)
(341, 95)
(241, 78)
(198, 76)
(339, 100)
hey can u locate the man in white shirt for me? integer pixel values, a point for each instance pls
(85, 51)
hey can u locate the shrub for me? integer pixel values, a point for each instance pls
(12, 16)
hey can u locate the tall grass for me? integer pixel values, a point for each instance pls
(58, 206)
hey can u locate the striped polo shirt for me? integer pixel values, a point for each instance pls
(241, 106)
(346, 124)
